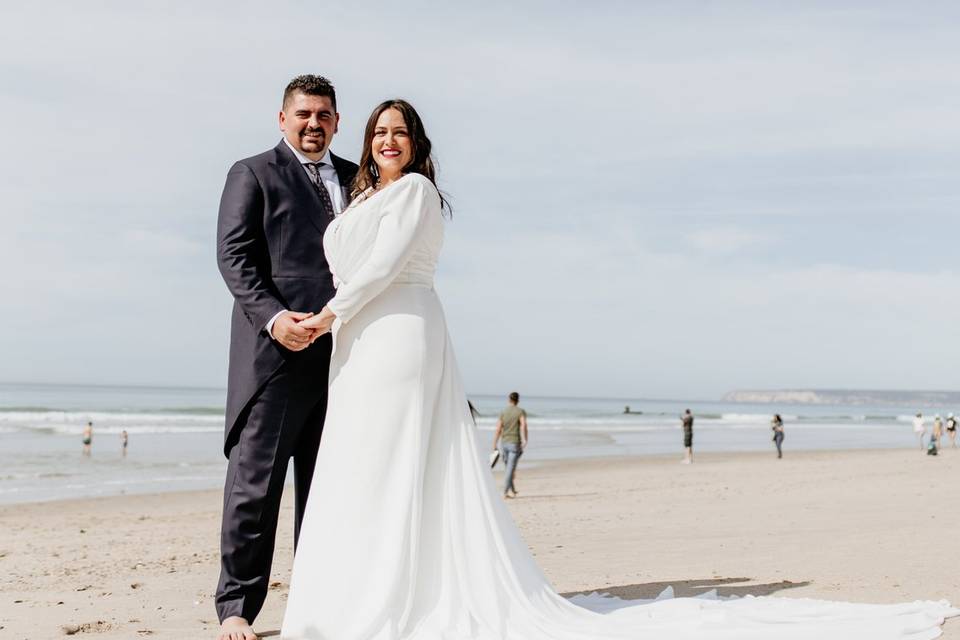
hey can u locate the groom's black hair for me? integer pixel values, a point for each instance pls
(312, 86)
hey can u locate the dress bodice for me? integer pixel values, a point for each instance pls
(391, 237)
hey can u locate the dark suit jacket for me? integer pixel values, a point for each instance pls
(270, 252)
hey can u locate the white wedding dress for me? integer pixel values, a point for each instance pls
(405, 536)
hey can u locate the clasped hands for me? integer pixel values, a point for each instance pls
(296, 330)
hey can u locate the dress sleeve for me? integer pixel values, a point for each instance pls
(407, 207)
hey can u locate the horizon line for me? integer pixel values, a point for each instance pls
(550, 396)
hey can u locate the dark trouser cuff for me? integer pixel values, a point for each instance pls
(230, 608)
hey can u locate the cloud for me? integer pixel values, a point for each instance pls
(727, 240)
(651, 324)
(650, 198)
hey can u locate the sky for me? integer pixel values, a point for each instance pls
(651, 199)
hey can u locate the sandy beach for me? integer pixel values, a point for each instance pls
(869, 526)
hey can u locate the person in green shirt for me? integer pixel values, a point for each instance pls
(512, 436)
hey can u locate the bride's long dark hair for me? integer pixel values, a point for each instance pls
(368, 174)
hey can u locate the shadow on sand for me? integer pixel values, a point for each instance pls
(687, 588)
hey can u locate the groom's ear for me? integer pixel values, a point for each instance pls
(336, 125)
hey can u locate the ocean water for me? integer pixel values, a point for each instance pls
(176, 434)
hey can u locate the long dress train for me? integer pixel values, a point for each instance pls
(405, 536)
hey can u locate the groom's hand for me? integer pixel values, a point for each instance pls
(289, 333)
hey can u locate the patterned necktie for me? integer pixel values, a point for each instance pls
(314, 168)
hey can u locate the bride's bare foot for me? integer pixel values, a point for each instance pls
(236, 628)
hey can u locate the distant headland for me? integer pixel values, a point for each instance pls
(844, 396)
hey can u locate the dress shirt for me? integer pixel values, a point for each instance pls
(327, 173)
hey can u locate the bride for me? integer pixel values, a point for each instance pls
(404, 535)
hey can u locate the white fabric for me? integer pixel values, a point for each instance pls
(271, 322)
(918, 426)
(405, 536)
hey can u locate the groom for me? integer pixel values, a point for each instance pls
(273, 212)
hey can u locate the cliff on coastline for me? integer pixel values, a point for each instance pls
(844, 396)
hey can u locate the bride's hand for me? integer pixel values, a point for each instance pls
(319, 323)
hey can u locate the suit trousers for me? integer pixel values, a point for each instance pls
(284, 421)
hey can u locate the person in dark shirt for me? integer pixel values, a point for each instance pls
(777, 425)
(687, 422)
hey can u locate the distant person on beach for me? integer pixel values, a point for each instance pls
(512, 436)
(87, 438)
(919, 429)
(952, 430)
(937, 429)
(124, 439)
(687, 424)
(777, 425)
